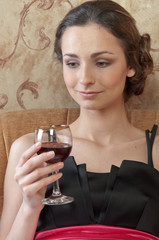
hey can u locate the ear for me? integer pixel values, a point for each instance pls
(131, 72)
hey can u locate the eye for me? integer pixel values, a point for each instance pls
(102, 64)
(72, 64)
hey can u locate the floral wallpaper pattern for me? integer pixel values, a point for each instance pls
(30, 75)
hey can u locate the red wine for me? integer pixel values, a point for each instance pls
(62, 151)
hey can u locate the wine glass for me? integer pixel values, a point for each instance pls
(55, 138)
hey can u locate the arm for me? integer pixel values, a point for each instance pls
(155, 153)
(25, 185)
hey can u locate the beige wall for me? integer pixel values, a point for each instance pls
(30, 76)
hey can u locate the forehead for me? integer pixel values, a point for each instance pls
(90, 37)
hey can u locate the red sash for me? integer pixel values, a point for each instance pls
(93, 232)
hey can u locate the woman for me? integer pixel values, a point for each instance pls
(113, 174)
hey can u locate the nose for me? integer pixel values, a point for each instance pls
(86, 75)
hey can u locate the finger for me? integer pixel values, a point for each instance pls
(32, 164)
(38, 161)
(29, 153)
(40, 173)
(35, 187)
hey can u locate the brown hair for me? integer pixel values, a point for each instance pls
(121, 24)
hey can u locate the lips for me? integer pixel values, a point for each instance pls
(89, 94)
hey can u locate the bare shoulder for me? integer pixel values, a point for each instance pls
(25, 140)
(18, 147)
(155, 153)
(21, 144)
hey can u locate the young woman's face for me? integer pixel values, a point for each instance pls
(94, 66)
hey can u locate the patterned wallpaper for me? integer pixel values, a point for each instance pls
(30, 75)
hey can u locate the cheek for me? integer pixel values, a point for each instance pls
(116, 78)
(68, 78)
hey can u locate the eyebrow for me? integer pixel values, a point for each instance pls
(92, 55)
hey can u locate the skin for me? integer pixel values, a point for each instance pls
(90, 67)
(95, 71)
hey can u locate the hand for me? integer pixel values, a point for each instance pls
(32, 175)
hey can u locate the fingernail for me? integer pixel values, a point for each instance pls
(60, 165)
(59, 175)
(44, 164)
(38, 144)
(50, 153)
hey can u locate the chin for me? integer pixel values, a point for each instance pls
(92, 106)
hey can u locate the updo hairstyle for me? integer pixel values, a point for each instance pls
(115, 19)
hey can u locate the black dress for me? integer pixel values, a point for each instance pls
(128, 196)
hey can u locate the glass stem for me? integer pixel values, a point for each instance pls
(56, 188)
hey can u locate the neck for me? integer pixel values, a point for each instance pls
(102, 125)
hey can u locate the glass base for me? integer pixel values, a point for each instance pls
(57, 200)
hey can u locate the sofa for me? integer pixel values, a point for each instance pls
(17, 123)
